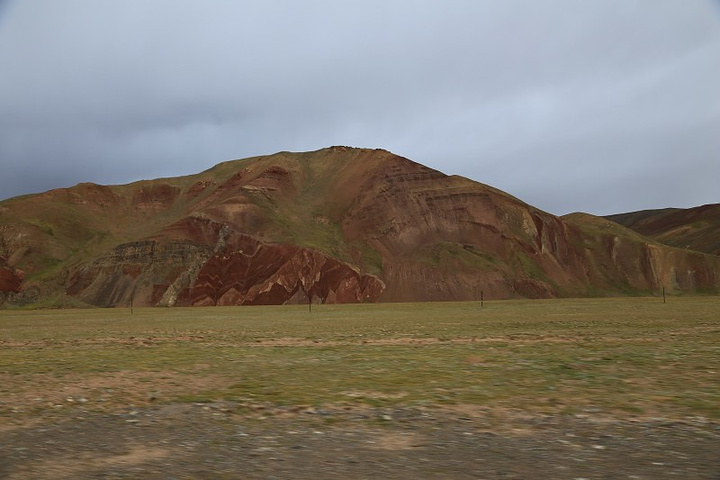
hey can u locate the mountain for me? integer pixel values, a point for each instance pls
(335, 225)
(695, 228)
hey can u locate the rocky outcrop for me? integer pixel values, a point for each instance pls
(239, 270)
(11, 281)
(138, 273)
(617, 259)
(248, 272)
(629, 266)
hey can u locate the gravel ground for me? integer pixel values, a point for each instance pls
(214, 441)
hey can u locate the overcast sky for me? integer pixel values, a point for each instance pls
(602, 106)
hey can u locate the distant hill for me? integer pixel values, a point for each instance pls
(335, 225)
(695, 228)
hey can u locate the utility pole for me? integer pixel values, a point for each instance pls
(132, 297)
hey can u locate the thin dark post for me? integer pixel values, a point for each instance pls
(132, 298)
(663, 294)
(481, 299)
(310, 303)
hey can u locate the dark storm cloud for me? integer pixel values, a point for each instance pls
(569, 105)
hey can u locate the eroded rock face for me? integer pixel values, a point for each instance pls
(628, 266)
(446, 238)
(243, 271)
(248, 272)
(138, 273)
(10, 279)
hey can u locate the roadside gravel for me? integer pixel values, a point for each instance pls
(220, 441)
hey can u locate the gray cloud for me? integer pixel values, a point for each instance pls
(569, 105)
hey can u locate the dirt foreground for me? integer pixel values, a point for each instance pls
(567, 390)
(213, 441)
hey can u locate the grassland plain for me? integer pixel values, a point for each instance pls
(631, 359)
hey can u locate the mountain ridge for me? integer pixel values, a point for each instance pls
(338, 224)
(695, 228)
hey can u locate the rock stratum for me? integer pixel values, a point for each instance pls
(336, 225)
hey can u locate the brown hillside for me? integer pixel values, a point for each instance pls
(335, 225)
(695, 228)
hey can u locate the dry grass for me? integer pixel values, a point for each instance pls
(628, 356)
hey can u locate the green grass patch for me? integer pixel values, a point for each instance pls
(623, 356)
(450, 255)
